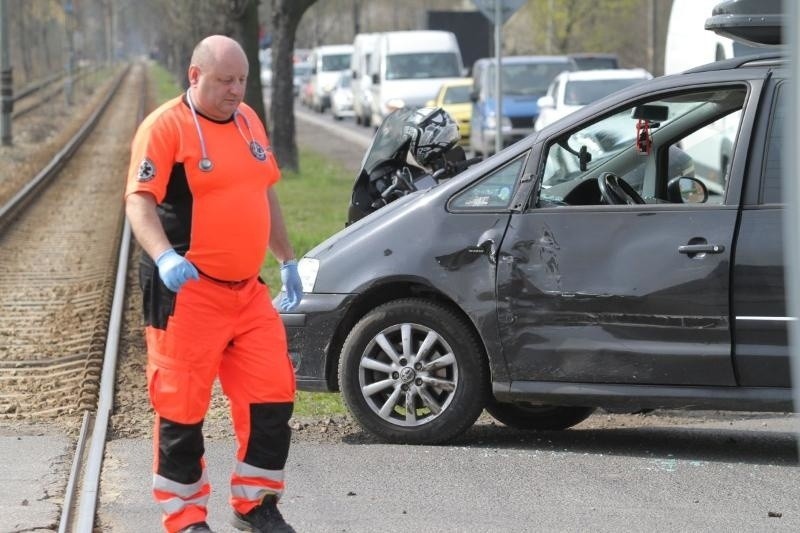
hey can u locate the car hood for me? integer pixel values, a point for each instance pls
(371, 224)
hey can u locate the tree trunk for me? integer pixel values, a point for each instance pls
(245, 15)
(286, 14)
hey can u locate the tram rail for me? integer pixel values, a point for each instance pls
(64, 246)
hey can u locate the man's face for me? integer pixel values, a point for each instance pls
(218, 89)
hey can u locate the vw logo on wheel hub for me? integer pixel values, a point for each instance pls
(407, 374)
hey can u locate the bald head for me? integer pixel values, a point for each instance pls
(215, 49)
(218, 76)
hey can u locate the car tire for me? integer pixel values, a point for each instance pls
(375, 383)
(537, 417)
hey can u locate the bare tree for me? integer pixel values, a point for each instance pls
(286, 15)
(244, 14)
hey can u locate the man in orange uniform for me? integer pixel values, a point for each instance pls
(200, 201)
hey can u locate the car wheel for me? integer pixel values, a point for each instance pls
(411, 372)
(537, 417)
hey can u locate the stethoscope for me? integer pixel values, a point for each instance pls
(205, 163)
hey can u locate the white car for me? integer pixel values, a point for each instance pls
(571, 90)
(265, 58)
(342, 97)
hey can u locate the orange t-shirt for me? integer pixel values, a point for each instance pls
(220, 219)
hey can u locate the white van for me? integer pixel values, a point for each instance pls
(328, 62)
(363, 47)
(690, 45)
(408, 68)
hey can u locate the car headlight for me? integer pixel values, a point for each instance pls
(308, 267)
(327, 88)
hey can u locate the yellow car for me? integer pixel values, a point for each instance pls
(453, 97)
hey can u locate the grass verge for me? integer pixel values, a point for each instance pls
(314, 204)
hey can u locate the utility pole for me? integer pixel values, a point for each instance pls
(6, 87)
(653, 36)
(356, 17)
(69, 18)
(498, 80)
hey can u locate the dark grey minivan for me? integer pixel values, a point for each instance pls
(628, 256)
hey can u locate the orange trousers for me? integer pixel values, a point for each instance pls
(230, 331)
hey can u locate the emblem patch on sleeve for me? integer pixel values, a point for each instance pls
(147, 170)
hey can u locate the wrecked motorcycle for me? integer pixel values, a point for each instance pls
(412, 150)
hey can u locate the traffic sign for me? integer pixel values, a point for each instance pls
(507, 8)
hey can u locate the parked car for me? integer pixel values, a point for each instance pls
(587, 265)
(301, 75)
(342, 97)
(453, 97)
(265, 60)
(364, 46)
(301, 55)
(327, 64)
(525, 79)
(570, 91)
(307, 92)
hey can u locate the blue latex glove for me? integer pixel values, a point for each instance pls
(294, 287)
(175, 270)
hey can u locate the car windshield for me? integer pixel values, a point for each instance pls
(527, 79)
(583, 92)
(302, 70)
(344, 81)
(614, 135)
(335, 62)
(422, 66)
(457, 95)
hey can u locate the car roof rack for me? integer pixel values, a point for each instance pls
(772, 56)
(753, 22)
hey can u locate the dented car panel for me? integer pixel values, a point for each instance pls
(605, 297)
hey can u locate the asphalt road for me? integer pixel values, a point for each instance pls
(343, 141)
(721, 475)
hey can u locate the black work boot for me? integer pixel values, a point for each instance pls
(264, 518)
(199, 527)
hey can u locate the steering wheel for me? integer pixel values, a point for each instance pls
(617, 191)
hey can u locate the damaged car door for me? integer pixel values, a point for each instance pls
(618, 272)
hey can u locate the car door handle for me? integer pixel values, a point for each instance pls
(701, 249)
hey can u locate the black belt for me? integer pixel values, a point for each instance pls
(227, 283)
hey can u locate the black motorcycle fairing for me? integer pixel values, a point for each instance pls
(388, 171)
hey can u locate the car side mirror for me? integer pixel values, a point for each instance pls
(687, 190)
(584, 158)
(375, 79)
(355, 75)
(545, 101)
(313, 70)
(474, 95)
